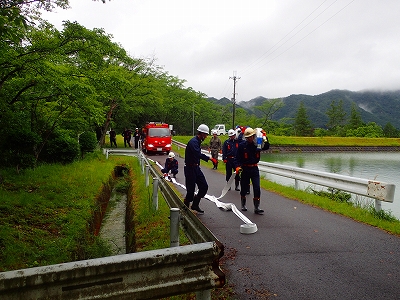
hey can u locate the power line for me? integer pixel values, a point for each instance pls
(275, 45)
(259, 66)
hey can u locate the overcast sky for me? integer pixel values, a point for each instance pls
(276, 48)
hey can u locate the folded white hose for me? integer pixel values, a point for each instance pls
(247, 228)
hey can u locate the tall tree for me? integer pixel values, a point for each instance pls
(355, 117)
(302, 125)
(336, 115)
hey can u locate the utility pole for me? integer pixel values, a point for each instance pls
(234, 98)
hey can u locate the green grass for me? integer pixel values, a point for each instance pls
(367, 215)
(151, 226)
(45, 213)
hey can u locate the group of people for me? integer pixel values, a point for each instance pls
(128, 136)
(240, 153)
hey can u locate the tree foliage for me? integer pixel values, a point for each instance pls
(58, 85)
(302, 125)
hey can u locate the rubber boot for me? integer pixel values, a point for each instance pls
(243, 202)
(187, 203)
(257, 209)
(195, 205)
(237, 186)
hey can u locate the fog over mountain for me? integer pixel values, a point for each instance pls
(381, 107)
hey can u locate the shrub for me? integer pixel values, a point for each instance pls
(18, 148)
(87, 142)
(61, 148)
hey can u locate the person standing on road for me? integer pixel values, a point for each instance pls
(113, 138)
(171, 165)
(136, 137)
(192, 171)
(229, 150)
(127, 134)
(215, 147)
(246, 160)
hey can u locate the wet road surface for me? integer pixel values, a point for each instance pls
(299, 251)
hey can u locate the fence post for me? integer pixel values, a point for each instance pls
(155, 193)
(203, 295)
(174, 227)
(147, 175)
(378, 205)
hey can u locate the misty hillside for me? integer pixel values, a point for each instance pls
(378, 107)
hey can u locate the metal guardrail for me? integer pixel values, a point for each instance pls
(380, 191)
(143, 275)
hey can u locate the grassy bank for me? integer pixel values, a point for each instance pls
(46, 214)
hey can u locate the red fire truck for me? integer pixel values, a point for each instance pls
(157, 138)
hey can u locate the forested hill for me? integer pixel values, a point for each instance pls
(379, 107)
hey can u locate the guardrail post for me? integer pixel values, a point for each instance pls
(155, 193)
(142, 164)
(107, 154)
(296, 184)
(147, 175)
(203, 295)
(378, 205)
(174, 227)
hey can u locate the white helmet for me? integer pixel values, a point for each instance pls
(171, 155)
(203, 128)
(249, 132)
(231, 132)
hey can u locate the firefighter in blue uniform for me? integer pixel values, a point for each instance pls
(229, 149)
(171, 165)
(193, 173)
(246, 160)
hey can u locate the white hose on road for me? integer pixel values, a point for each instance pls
(247, 228)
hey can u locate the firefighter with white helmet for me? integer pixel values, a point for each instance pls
(171, 165)
(193, 174)
(229, 150)
(246, 160)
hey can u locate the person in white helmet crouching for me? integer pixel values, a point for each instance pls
(171, 165)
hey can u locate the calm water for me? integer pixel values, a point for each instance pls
(381, 166)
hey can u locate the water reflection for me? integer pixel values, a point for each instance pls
(381, 166)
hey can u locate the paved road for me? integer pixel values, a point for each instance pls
(299, 252)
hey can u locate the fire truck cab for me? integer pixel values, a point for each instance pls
(157, 138)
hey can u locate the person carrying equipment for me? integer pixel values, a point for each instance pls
(246, 160)
(192, 171)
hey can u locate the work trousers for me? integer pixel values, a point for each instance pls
(193, 176)
(253, 174)
(229, 168)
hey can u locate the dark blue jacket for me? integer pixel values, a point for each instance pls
(229, 149)
(171, 165)
(248, 153)
(193, 152)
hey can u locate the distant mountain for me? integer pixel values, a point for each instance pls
(379, 107)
